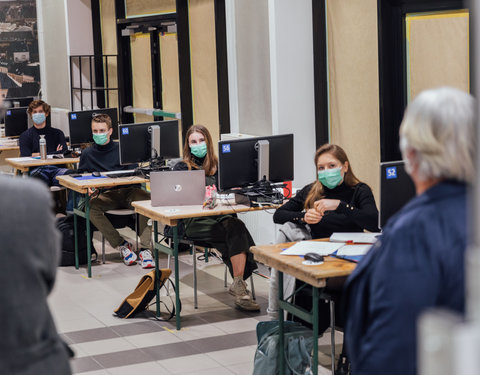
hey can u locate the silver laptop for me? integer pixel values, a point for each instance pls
(177, 188)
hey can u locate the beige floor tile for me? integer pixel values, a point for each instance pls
(104, 346)
(233, 356)
(190, 363)
(152, 339)
(142, 368)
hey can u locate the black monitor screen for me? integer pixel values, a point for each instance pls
(135, 141)
(80, 124)
(238, 161)
(396, 189)
(20, 102)
(16, 121)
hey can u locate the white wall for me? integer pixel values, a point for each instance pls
(64, 29)
(291, 66)
(270, 62)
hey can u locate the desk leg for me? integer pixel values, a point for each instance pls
(315, 322)
(75, 231)
(177, 277)
(281, 339)
(157, 273)
(89, 242)
(332, 333)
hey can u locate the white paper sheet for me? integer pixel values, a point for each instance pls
(352, 250)
(355, 237)
(318, 247)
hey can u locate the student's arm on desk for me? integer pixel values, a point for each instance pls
(292, 210)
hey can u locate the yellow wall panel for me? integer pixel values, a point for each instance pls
(353, 85)
(109, 44)
(146, 7)
(204, 65)
(438, 51)
(170, 77)
(141, 74)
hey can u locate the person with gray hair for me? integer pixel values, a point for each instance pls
(418, 263)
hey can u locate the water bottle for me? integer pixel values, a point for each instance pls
(43, 147)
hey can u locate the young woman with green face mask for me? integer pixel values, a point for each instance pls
(335, 202)
(226, 233)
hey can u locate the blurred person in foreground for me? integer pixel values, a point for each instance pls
(418, 263)
(30, 247)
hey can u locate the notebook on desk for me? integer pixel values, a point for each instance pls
(177, 188)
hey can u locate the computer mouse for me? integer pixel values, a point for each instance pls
(313, 257)
(96, 174)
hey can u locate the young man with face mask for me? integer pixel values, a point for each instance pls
(38, 111)
(104, 156)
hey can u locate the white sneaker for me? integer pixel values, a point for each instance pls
(129, 257)
(146, 259)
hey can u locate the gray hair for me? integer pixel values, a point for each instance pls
(439, 127)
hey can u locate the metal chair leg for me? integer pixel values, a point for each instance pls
(103, 249)
(225, 277)
(195, 297)
(253, 287)
(136, 231)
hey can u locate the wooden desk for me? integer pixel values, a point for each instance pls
(8, 148)
(24, 164)
(170, 215)
(81, 186)
(313, 275)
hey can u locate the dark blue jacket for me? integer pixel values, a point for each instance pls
(417, 263)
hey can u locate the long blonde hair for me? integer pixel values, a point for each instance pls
(210, 162)
(317, 192)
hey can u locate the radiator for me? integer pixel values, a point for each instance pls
(260, 225)
(59, 119)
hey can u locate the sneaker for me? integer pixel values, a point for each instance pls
(129, 257)
(243, 297)
(146, 259)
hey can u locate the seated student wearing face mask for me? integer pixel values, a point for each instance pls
(38, 111)
(336, 202)
(104, 156)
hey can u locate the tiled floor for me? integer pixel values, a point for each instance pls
(215, 339)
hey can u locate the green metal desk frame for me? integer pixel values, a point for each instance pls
(174, 253)
(309, 317)
(86, 215)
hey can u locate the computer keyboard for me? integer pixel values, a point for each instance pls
(122, 173)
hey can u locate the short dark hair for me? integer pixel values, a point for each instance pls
(102, 118)
(36, 104)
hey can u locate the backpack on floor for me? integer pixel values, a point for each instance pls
(138, 300)
(65, 226)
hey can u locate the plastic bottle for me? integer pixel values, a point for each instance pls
(43, 147)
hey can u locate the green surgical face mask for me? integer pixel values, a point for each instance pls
(330, 178)
(199, 150)
(100, 138)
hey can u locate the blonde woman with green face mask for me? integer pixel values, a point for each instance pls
(335, 202)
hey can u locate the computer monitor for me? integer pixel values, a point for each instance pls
(20, 102)
(16, 121)
(80, 124)
(150, 140)
(243, 162)
(396, 189)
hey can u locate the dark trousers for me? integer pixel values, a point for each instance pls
(225, 233)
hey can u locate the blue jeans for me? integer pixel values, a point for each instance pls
(48, 174)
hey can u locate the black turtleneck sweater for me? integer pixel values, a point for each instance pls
(102, 158)
(29, 141)
(357, 211)
(182, 166)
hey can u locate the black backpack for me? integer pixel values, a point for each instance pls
(65, 226)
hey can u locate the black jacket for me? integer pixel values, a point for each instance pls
(30, 138)
(360, 214)
(101, 158)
